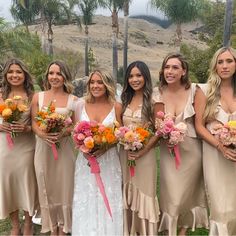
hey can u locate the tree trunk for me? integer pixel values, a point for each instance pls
(115, 30)
(86, 63)
(43, 29)
(50, 39)
(228, 23)
(178, 33)
(125, 50)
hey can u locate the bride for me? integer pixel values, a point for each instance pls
(90, 216)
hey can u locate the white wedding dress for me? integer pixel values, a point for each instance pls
(89, 213)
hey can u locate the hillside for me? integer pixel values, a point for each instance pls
(147, 41)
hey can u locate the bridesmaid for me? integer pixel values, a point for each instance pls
(215, 103)
(182, 195)
(18, 187)
(55, 177)
(141, 209)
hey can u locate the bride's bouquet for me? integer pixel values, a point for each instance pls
(173, 133)
(226, 133)
(90, 136)
(50, 121)
(11, 111)
(133, 139)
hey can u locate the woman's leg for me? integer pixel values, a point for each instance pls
(15, 223)
(28, 226)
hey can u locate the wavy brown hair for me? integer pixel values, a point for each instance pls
(214, 81)
(128, 92)
(184, 79)
(107, 81)
(28, 83)
(64, 69)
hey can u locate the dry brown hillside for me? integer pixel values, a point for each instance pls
(148, 42)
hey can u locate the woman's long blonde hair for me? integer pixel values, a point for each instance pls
(214, 81)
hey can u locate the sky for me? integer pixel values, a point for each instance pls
(137, 7)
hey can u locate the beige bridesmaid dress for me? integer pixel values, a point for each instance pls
(55, 178)
(141, 208)
(220, 176)
(182, 193)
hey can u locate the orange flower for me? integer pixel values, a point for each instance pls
(97, 139)
(110, 138)
(6, 112)
(2, 107)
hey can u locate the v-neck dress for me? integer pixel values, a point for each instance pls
(55, 177)
(141, 208)
(90, 216)
(220, 176)
(182, 193)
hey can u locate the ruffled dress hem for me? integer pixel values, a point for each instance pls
(199, 219)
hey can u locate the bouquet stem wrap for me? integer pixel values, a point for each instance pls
(176, 154)
(54, 151)
(131, 171)
(95, 169)
(9, 140)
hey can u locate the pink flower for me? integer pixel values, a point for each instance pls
(68, 121)
(160, 114)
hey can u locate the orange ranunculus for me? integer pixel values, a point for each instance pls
(97, 139)
(89, 142)
(6, 112)
(110, 138)
(2, 107)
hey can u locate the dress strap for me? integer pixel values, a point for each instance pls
(40, 99)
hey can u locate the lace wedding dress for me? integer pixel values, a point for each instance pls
(90, 216)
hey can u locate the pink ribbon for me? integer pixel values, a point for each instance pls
(54, 151)
(9, 140)
(95, 169)
(131, 171)
(176, 155)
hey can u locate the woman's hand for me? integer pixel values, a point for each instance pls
(50, 138)
(5, 127)
(228, 153)
(18, 127)
(132, 156)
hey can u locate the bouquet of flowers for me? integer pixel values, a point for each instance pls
(173, 133)
(11, 111)
(88, 137)
(226, 133)
(133, 139)
(51, 122)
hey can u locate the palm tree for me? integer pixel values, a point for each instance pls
(180, 11)
(125, 50)
(22, 14)
(228, 22)
(87, 7)
(114, 6)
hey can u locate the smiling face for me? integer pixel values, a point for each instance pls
(173, 71)
(136, 79)
(96, 86)
(226, 65)
(55, 77)
(15, 75)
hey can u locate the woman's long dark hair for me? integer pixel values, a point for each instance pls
(28, 83)
(128, 92)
